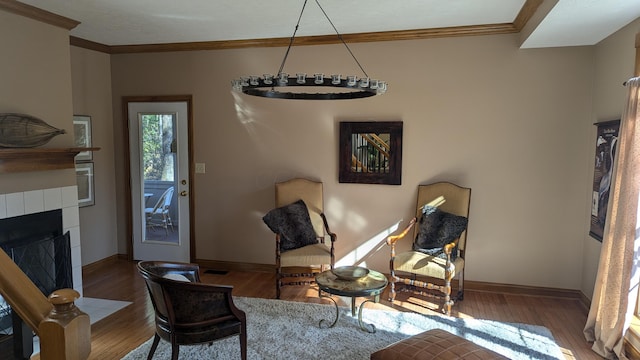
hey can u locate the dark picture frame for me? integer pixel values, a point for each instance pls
(85, 182)
(82, 136)
(370, 152)
(606, 145)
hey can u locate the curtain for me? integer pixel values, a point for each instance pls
(616, 288)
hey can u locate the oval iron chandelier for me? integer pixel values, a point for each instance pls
(282, 86)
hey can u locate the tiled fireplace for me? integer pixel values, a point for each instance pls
(62, 204)
(37, 201)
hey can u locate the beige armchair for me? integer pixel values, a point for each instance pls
(429, 270)
(301, 250)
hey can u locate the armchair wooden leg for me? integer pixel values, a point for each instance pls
(175, 349)
(278, 268)
(392, 290)
(154, 346)
(392, 274)
(243, 342)
(447, 303)
(448, 276)
(446, 306)
(461, 285)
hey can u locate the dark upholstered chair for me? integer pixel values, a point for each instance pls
(188, 311)
(426, 270)
(306, 261)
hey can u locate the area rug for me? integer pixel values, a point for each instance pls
(278, 329)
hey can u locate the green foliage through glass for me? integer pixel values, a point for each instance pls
(158, 142)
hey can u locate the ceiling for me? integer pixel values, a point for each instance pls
(135, 22)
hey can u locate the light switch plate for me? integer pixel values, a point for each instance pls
(200, 168)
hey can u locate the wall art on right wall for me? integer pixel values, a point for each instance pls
(606, 145)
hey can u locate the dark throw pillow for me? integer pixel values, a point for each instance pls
(436, 229)
(293, 224)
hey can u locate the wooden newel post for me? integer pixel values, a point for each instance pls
(65, 333)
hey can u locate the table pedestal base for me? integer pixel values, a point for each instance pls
(370, 328)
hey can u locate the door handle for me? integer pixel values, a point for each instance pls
(183, 193)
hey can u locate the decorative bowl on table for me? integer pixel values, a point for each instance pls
(350, 273)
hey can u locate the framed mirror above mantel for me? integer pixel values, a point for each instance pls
(371, 152)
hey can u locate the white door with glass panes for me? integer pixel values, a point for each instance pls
(159, 180)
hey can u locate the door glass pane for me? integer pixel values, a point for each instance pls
(158, 152)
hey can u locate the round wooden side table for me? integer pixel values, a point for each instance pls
(353, 282)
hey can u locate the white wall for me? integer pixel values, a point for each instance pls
(477, 111)
(614, 64)
(36, 80)
(91, 80)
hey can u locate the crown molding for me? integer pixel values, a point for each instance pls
(38, 14)
(87, 44)
(492, 29)
(526, 12)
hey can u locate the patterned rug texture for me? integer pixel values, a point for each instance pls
(278, 329)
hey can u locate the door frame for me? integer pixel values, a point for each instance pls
(127, 146)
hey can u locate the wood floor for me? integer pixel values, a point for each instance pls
(118, 334)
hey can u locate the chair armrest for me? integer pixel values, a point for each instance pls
(448, 248)
(332, 235)
(391, 240)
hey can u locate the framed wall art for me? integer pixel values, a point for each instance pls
(606, 145)
(82, 136)
(85, 181)
(371, 152)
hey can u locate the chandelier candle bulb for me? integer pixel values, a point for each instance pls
(284, 79)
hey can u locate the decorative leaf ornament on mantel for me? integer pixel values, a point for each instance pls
(25, 131)
(303, 87)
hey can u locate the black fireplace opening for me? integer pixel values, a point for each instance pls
(37, 244)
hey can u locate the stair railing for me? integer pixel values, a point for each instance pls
(377, 145)
(64, 330)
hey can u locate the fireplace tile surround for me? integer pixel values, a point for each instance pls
(35, 201)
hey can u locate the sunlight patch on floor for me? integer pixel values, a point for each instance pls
(568, 354)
